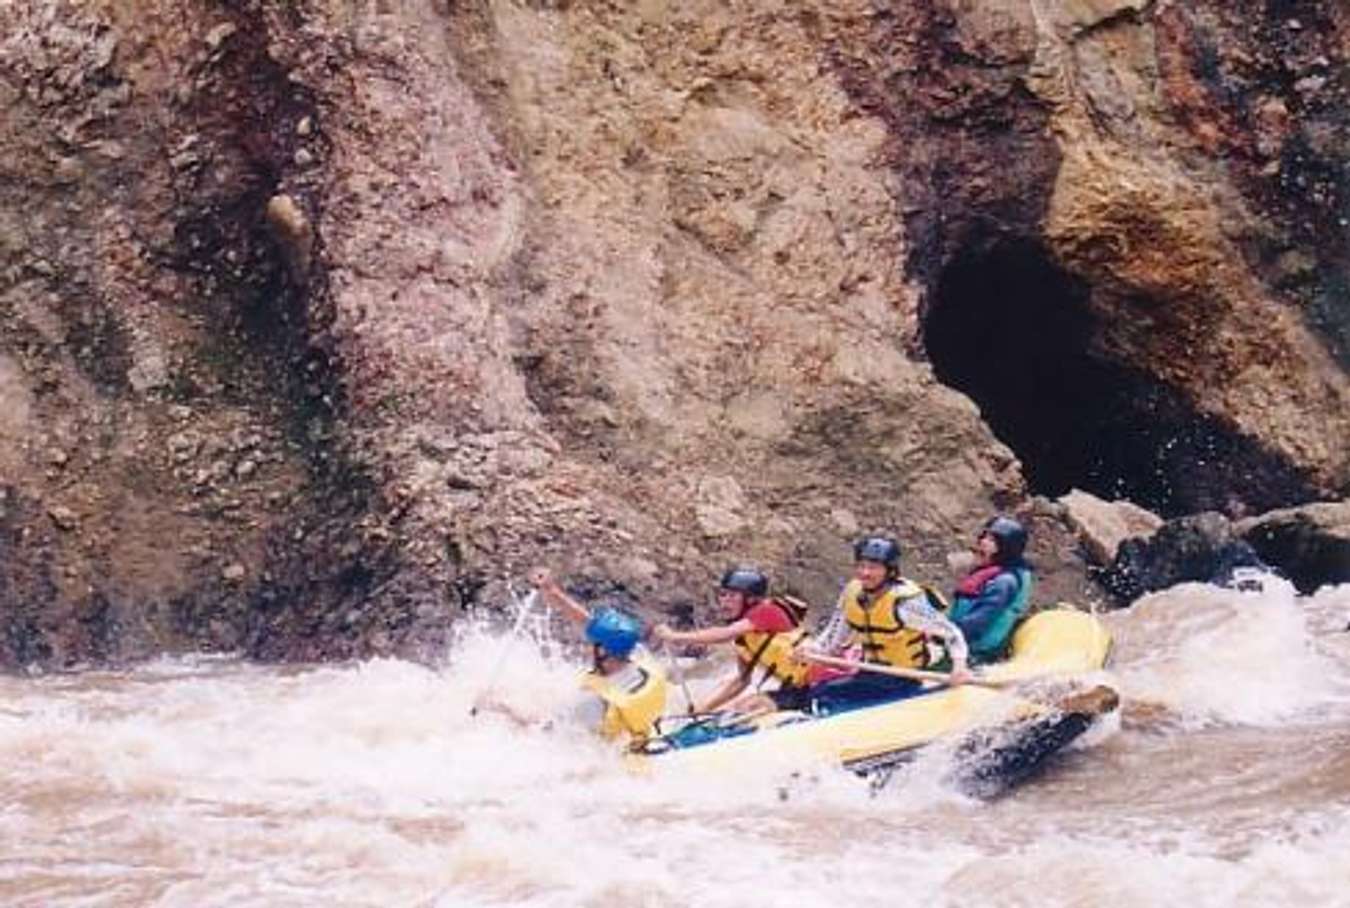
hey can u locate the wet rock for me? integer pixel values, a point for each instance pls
(1095, 701)
(1200, 548)
(1309, 544)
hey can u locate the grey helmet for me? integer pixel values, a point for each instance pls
(881, 549)
(1010, 535)
(750, 581)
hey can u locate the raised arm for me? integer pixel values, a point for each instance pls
(556, 597)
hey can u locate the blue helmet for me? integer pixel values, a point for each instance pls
(1010, 535)
(615, 632)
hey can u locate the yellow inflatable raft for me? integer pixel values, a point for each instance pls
(1054, 643)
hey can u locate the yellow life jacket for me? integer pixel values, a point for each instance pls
(775, 651)
(633, 709)
(884, 639)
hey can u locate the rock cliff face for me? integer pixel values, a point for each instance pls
(320, 320)
(1132, 221)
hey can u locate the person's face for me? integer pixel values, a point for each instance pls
(986, 546)
(871, 574)
(603, 660)
(732, 602)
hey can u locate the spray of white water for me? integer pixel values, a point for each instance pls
(216, 782)
(1215, 655)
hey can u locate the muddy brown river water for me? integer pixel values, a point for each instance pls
(1225, 780)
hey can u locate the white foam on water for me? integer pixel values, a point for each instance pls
(1133, 870)
(1213, 655)
(208, 782)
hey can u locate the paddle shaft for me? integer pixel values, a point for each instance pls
(678, 674)
(912, 674)
(732, 722)
(526, 606)
(750, 716)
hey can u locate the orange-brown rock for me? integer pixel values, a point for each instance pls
(321, 320)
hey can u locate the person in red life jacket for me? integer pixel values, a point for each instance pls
(893, 620)
(992, 598)
(765, 632)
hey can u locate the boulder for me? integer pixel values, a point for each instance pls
(1103, 525)
(1310, 544)
(1198, 548)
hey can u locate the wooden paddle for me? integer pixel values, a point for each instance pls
(913, 674)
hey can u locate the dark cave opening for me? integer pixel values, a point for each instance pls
(1014, 332)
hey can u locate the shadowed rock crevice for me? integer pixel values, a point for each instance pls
(971, 143)
(1013, 331)
(249, 241)
(171, 441)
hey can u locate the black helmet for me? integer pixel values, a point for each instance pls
(746, 580)
(881, 549)
(1010, 535)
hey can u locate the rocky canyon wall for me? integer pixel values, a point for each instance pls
(319, 321)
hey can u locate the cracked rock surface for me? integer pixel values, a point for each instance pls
(320, 321)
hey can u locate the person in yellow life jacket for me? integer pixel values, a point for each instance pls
(626, 689)
(764, 632)
(892, 619)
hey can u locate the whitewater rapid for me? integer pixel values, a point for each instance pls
(1225, 780)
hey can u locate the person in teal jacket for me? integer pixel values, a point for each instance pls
(991, 599)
